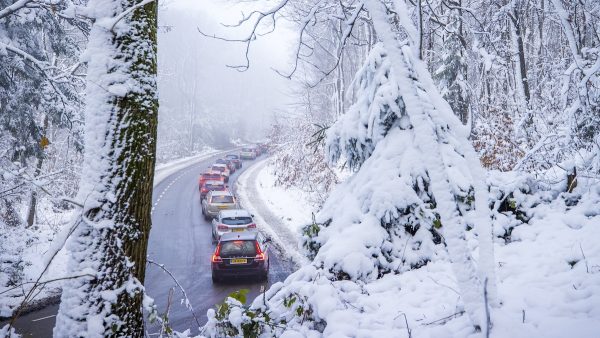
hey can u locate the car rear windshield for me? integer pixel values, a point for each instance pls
(236, 220)
(233, 157)
(238, 249)
(218, 168)
(222, 199)
(247, 149)
(214, 186)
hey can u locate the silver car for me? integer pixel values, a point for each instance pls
(216, 201)
(234, 220)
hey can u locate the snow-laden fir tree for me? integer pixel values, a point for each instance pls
(452, 71)
(417, 187)
(109, 239)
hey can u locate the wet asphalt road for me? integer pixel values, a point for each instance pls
(180, 240)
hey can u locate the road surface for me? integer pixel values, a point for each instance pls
(180, 240)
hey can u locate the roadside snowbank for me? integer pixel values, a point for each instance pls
(548, 280)
(279, 212)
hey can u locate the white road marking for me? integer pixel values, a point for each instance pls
(37, 320)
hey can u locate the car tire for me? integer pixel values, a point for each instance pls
(215, 279)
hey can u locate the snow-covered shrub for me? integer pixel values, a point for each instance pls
(383, 219)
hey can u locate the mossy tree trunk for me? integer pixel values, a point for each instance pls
(110, 241)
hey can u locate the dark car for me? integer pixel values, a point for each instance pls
(240, 254)
(264, 148)
(228, 163)
(209, 186)
(235, 159)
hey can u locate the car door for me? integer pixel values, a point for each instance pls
(214, 223)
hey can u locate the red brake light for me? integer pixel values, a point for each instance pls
(260, 256)
(222, 227)
(252, 226)
(215, 257)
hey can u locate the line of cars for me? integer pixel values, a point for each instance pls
(240, 249)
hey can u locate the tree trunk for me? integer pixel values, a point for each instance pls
(38, 170)
(110, 241)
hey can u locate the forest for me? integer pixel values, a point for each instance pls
(436, 142)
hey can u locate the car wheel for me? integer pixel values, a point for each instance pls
(215, 279)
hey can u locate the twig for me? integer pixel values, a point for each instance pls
(488, 326)
(454, 315)
(44, 282)
(408, 329)
(188, 303)
(587, 269)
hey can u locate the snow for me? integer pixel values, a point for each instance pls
(540, 294)
(278, 212)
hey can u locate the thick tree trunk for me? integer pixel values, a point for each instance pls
(111, 237)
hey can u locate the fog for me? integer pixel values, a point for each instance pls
(204, 102)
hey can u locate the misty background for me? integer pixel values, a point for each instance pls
(202, 101)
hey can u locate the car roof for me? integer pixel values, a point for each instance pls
(235, 236)
(219, 165)
(221, 193)
(235, 213)
(211, 172)
(213, 182)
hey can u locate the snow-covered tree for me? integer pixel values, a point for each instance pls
(452, 71)
(109, 239)
(417, 187)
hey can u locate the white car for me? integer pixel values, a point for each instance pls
(216, 201)
(232, 220)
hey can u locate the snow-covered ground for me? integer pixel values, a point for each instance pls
(279, 212)
(49, 225)
(548, 276)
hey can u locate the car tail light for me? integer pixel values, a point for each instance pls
(260, 256)
(251, 226)
(222, 227)
(216, 258)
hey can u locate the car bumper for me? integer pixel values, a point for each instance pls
(220, 272)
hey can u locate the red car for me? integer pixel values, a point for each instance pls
(212, 186)
(210, 176)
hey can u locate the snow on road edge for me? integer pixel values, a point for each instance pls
(251, 199)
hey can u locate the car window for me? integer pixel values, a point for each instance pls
(213, 186)
(236, 220)
(238, 248)
(222, 199)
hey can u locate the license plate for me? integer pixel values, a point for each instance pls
(223, 206)
(237, 229)
(239, 261)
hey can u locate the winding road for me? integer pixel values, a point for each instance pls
(180, 240)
